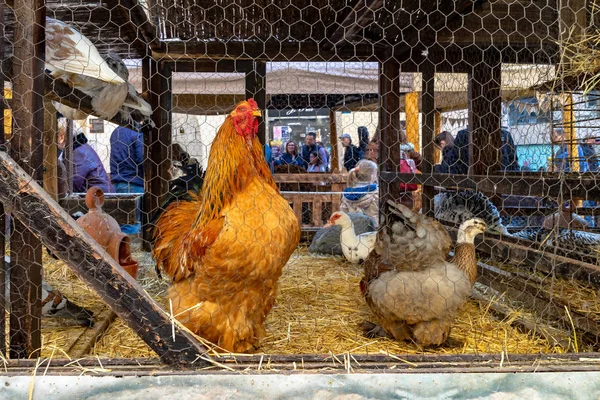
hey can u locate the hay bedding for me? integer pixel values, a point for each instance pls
(318, 309)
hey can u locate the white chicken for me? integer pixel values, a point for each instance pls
(356, 248)
(73, 58)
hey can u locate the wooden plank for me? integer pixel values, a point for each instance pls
(297, 206)
(389, 126)
(256, 88)
(485, 111)
(272, 50)
(83, 344)
(525, 184)
(317, 209)
(50, 151)
(27, 149)
(156, 143)
(330, 179)
(428, 133)
(70, 243)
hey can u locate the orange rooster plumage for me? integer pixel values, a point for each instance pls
(225, 247)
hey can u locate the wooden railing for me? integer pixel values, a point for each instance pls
(313, 197)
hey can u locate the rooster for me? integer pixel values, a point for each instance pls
(409, 281)
(225, 246)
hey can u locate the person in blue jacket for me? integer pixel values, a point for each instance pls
(508, 157)
(127, 166)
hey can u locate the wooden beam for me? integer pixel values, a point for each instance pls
(569, 123)
(485, 113)
(27, 149)
(411, 108)
(50, 151)
(436, 130)
(333, 140)
(428, 133)
(139, 22)
(94, 266)
(389, 126)
(358, 18)
(271, 50)
(531, 184)
(256, 88)
(3, 270)
(216, 65)
(157, 142)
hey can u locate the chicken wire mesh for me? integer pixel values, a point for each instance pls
(376, 116)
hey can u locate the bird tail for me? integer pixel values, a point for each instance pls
(174, 217)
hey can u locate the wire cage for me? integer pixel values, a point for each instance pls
(444, 138)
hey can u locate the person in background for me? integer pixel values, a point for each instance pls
(327, 154)
(362, 193)
(412, 162)
(310, 146)
(352, 154)
(315, 164)
(127, 167)
(450, 155)
(372, 149)
(589, 163)
(508, 158)
(88, 170)
(290, 155)
(363, 140)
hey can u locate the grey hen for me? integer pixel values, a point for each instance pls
(409, 283)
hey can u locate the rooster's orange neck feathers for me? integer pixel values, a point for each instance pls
(235, 159)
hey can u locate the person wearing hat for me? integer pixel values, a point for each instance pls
(352, 154)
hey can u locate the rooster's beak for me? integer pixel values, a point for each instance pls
(256, 113)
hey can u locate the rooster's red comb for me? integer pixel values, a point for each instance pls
(252, 103)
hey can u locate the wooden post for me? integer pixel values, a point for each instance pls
(389, 125)
(94, 266)
(568, 121)
(3, 270)
(256, 88)
(437, 129)
(27, 149)
(428, 131)
(411, 108)
(50, 151)
(485, 110)
(333, 140)
(157, 142)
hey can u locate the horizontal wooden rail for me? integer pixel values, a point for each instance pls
(572, 186)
